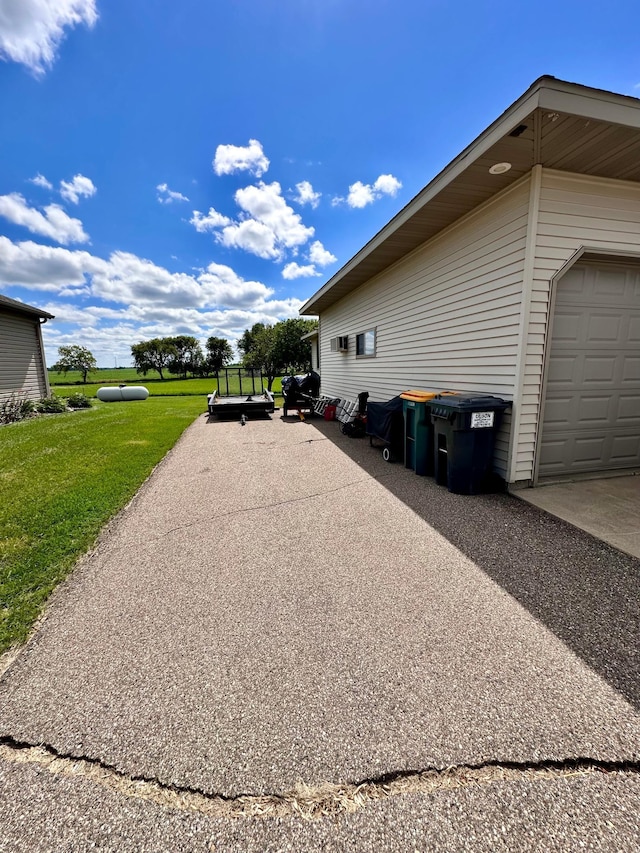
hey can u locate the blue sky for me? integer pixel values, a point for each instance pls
(199, 166)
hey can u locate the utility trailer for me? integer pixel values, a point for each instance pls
(239, 393)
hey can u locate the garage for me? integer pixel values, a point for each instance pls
(591, 419)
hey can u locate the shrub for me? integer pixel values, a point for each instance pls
(78, 401)
(16, 408)
(49, 405)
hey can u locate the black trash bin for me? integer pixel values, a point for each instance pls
(464, 429)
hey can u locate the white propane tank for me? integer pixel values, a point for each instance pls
(124, 392)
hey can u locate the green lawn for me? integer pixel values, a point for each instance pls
(71, 384)
(61, 478)
(104, 375)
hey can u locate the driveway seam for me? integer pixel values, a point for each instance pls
(310, 802)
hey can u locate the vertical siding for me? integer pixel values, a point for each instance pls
(22, 367)
(446, 316)
(575, 213)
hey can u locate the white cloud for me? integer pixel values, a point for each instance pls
(167, 196)
(319, 255)
(79, 186)
(294, 270)
(252, 236)
(54, 222)
(387, 185)
(124, 299)
(210, 222)
(230, 159)
(47, 268)
(31, 30)
(127, 279)
(267, 226)
(265, 204)
(41, 181)
(307, 195)
(223, 286)
(360, 195)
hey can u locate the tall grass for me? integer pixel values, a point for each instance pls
(61, 478)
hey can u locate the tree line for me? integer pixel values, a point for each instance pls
(275, 350)
(181, 355)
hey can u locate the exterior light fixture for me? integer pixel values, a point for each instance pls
(499, 168)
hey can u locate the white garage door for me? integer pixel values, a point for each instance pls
(592, 407)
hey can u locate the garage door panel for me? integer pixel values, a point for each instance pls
(567, 326)
(631, 369)
(634, 328)
(589, 450)
(608, 283)
(590, 370)
(576, 285)
(592, 404)
(599, 368)
(556, 451)
(562, 370)
(579, 411)
(594, 411)
(628, 409)
(558, 411)
(603, 328)
(625, 449)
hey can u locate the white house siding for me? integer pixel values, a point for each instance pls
(446, 316)
(22, 368)
(576, 213)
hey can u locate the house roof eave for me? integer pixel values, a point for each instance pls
(17, 307)
(545, 98)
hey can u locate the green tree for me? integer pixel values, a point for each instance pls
(75, 358)
(246, 340)
(277, 349)
(219, 353)
(187, 355)
(155, 354)
(262, 353)
(293, 354)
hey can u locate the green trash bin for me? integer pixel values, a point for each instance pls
(418, 430)
(464, 430)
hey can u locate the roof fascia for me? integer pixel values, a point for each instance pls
(15, 307)
(591, 104)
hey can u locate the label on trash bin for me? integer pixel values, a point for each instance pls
(481, 420)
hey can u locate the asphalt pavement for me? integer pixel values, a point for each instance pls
(279, 610)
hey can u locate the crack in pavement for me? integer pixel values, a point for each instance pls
(257, 507)
(309, 802)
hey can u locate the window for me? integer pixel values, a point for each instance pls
(366, 344)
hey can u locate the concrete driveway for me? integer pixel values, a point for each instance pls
(282, 624)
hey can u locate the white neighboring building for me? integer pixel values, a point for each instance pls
(23, 369)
